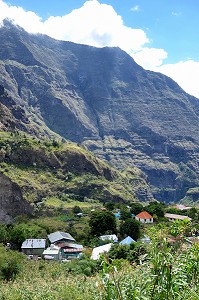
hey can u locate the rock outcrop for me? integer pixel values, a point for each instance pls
(12, 203)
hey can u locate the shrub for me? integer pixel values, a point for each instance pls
(10, 263)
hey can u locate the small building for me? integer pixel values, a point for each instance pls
(100, 250)
(68, 248)
(127, 241)
(60, 237)
(71, 250)
(173, 217)
(144, 217)
(33, 246)
(52, 253)
(109, 237)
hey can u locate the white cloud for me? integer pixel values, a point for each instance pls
(99, 25)
(150, 58)
(26, 19)
(185, 73)
(135, 8)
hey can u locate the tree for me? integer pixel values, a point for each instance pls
(109, 205)
(102, 221)
(155, 208)
(130, 227)
(4, 234)
(125, 214)
(23, 231)
(136, 208)
(76, 209)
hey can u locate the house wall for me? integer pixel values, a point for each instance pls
(33, 251)
(144, 220)
(69, 254)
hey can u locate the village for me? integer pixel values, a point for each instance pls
(62, 246)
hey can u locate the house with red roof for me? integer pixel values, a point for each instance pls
(144, 217)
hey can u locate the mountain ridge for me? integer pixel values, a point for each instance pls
(101, 98)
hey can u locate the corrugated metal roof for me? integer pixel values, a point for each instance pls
(34, 243)
(177, 217)
(69, 245)
(144, 215)
(59, 235)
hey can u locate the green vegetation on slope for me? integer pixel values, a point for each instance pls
(56, 174)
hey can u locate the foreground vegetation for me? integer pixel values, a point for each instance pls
(160, 270)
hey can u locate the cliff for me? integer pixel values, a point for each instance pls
(101, 98)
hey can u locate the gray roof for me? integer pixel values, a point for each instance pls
(177, 217)
(59, 235)
(34, 243)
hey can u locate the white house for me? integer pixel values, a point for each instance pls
(144, 217)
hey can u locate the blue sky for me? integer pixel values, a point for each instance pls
(161, 35)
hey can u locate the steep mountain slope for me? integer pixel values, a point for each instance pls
(103, 99)
(33, 173)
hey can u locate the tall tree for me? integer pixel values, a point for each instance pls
(101, 222)
(130, 227)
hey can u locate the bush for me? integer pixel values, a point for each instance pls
(83, 266)
(119, 251)
(10, 263)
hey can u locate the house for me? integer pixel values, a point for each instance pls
(68, 248)
(109, 237)
(100, 250)
(144, 217)
(52, 253)
(127, 241)
(173, 217)
(60, 237)
(71, 250)
(33, 246)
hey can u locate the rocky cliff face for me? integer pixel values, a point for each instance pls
(103, 99)
(12, 203)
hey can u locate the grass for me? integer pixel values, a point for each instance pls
(160, 275)
(57, 203)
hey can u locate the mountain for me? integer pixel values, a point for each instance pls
(101, 98)
(37, 175)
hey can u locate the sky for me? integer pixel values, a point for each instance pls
(161, 35)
